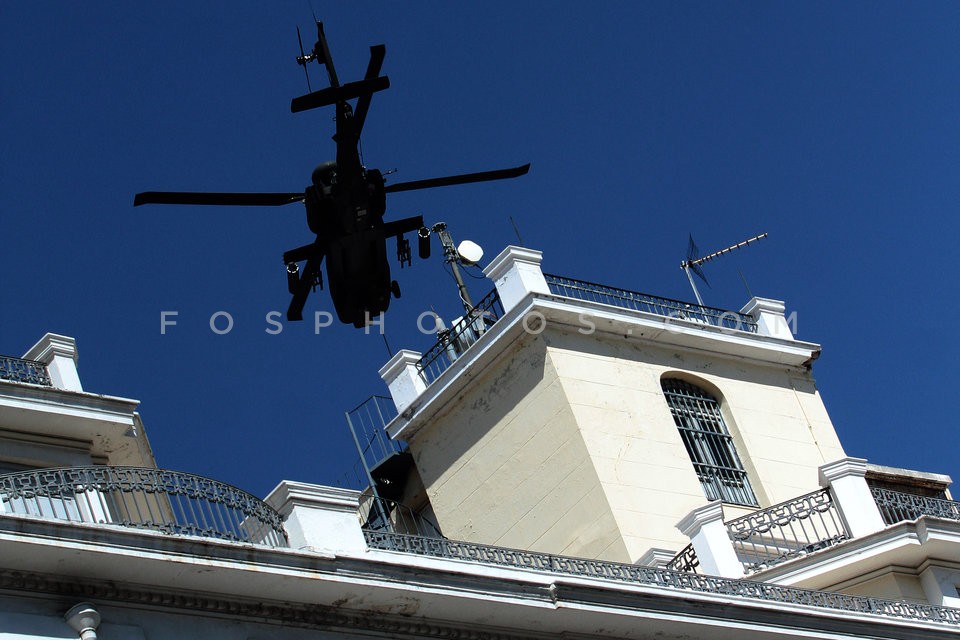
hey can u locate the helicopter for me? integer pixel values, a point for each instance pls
(345, 203)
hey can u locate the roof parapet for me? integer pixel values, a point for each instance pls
(403, 378)
(770, 317)
(516, 273)
(59, 353)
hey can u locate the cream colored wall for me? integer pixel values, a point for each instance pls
(893, 585)
(780, 428)
(506, 464)
(566, 444)
(643, 466)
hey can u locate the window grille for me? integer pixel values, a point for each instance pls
(708, 442)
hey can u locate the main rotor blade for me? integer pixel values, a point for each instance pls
(466, 178)
(377, 54)
(322, 51)
(339, 93)
(230, 199)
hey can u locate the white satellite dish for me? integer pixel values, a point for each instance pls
(470, 252)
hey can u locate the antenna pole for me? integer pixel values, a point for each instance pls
(686, 270)
(516, 230)
(451, 256)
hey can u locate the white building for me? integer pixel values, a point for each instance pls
(597, 463)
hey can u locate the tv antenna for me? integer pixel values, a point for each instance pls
(692, 263)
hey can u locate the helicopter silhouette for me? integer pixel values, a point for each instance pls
(345, 203)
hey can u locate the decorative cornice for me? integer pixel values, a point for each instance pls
(757, 305)
(691, 523)
(314, 616)
(400, 360)
(655, 557)
(289, 494)
(842, 468)
(52, 345)
(508, 257)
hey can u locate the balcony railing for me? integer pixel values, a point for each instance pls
(686, 560)
(455, 340)
(636, 301)
(367, 423)
(898, 507)
(768, 537)
(20, 370)
(654, 576)
(809, 523)
(167, 501)
(785, 531)
(381, 514)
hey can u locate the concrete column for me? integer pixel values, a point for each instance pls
(770, 317)
(403, 378)
(704, 526)
(516, 272)
(851, 494)
(940, 586)
(319, 518)
(59, 353)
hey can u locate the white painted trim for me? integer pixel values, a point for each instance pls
(59, 353)
(319, 518)
(708, 535)
(851, 494)
(403, 378)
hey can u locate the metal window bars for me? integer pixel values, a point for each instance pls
(167, 501)
(655, 576)
(708, 442)
(896, 506)
(464, 332)
(20, 370)
(636, 301)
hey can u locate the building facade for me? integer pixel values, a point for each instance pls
(568, 460)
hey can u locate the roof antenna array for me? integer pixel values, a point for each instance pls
(466, 254)
(692, 263)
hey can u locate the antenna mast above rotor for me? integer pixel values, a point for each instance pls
(692, 263)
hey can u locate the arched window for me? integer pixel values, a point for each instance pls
(708, 442)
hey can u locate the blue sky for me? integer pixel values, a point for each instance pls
(831, 126)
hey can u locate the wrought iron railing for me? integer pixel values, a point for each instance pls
(768, 537)
(455, 340)
(381, 514)
(787, 530)
(636, 301)
(367, 423)
(655, 576)
(896, 506)
(167, 501)
(20, 370)
(686, 560)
